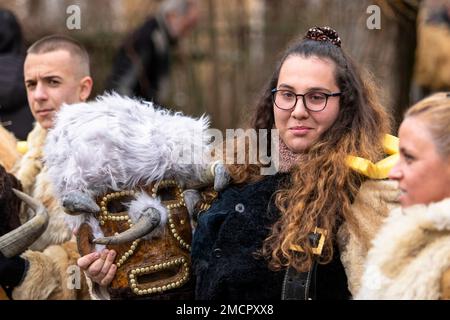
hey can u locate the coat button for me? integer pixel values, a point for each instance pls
(217, 253)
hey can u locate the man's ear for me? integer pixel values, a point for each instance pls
(85, 88)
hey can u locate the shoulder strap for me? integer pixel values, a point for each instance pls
(300, 285)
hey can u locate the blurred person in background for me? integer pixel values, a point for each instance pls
(432, 69)
(439, 13)
(14, 112)
(141, 67)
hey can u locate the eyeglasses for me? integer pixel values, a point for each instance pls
(313, 100)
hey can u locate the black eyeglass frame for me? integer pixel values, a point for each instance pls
(327, 95)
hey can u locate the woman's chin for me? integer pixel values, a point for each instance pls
(298, 145)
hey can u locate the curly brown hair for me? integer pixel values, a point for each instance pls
(322, 187)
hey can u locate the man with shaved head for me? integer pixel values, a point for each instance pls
(56, 71)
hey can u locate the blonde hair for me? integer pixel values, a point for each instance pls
(434, 112)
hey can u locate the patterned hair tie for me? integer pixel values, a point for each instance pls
(324, 34)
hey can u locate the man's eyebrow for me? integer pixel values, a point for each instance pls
(52, 77)
(49, 77)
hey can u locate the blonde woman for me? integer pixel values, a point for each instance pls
(410, 257)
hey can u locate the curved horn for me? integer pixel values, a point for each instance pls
(191, 198)
(17, 241)
(146, 224)
(77, 202)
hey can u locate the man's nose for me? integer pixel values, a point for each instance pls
(40, 93)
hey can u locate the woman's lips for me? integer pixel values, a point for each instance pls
(300, 131)
(401, 194)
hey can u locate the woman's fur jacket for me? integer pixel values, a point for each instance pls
(410, 256)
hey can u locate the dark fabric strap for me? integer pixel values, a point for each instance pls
(301, 285)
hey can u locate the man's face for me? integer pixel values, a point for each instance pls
(51, 79)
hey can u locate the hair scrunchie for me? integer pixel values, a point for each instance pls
(324, 34)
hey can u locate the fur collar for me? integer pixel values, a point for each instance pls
(409, 254)
(8, 151)
(31, 163)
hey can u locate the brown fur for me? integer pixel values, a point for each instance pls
(410, 255)
(8, 149)
(31, 165)
(32, 174)
(47, 275)
(445, 285)
(54, 251)
(371, 206)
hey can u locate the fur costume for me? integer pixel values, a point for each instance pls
(33, 176)
(410, 257)
(372, 204)
(8, 151)
(117, 143)
(55, 249)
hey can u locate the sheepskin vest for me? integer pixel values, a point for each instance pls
(8, 151)
(31, 172)
(374, 201)
(410, 254)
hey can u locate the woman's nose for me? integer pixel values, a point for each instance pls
(396, 172)
(300, 110)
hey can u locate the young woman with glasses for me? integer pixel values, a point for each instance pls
(275, 237)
